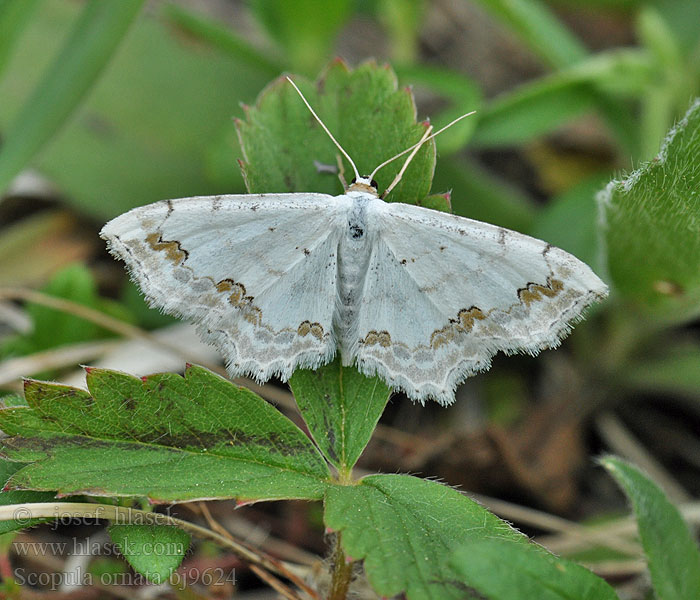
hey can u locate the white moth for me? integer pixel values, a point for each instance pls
(421, 298)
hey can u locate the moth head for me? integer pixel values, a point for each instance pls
(364, 184)
(367, 184)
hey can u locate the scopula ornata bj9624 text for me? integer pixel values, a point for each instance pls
(421, 298)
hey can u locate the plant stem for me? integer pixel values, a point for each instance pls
(342, 573)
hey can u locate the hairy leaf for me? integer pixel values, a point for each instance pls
(406, 529)
(504, 570)
(167, 437)
(674, 560)
(283, 145)
(652, 226)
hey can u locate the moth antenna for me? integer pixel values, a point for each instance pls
(418, 145)
(399, 175)
(330, 135)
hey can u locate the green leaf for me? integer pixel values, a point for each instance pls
(674, 560)
(147, 129)
(503, 570)
(91, 43)
(304, 29)
(14, 16)
(651, 228)
(371, 119)
(341, 408)
(532, 110)
(441, 202)
(684, 19)
(167, 437)
(539, 29)
(154, 551)
(539, 107)
(221, 37)
(401, 20)
(7, 469)
(405, 529)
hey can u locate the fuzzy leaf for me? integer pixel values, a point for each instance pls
(371, 119)
(406, 529)
(652, 226)
(341, 408)
(167, 437)
(504, 570)
(674, 560)
(154, 551)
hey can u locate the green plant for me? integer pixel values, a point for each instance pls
(145, 132)
(168, 438)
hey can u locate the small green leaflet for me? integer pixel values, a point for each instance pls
(166, 437)
(672, 553)
(271, 136)
(406, 529)
(154, 551)
(504, 570)
(341, 408)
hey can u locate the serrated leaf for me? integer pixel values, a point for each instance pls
(652, 229)
(441, 202)
(503, 570)
(671, 551)
(371, 119)
(7, 469)
(154, 551)
(406, 529)
(167, 437)
(341, 408)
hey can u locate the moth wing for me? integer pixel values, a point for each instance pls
(256, 273)
(444, 293)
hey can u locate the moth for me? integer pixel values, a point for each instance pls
(421, 298)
